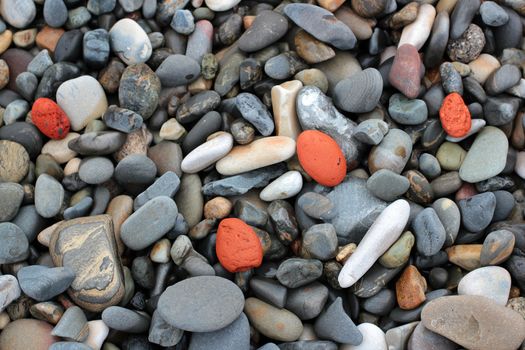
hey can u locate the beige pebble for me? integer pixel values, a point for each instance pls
(361, 27)
(4, 320)
(72, 166)
(217, 208)
(120, 208)
(25, 38)
(59, 150)
(284, 114)
(172, 130)
(483, 66)
(45, 235)
(417, 32)
(160, 252)
(98, 332)
(6, 38)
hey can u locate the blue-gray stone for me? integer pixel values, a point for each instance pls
(407, 111)
(183, 22)
(14, 247)
(135, 169)
(335, 324)
(477, 211)
(49, 196)
(254, 111)
(30, 221)
(96, 48)
(95, 170)
(162, 333)
(78, 17)
(266, 29)
(99, 7)
(359, 93)
(429, 231)
(69, 345)
(131, 5)
(166, 185)
(296, 272)
(11, 195)
(236, 336)
(308, 301)
(43, 283)
(178, 70)
(40, 63)
(15, 111)
(26, 85)
(125, 320)
(387, 185)
(492, 14)
(55, 13)
(82, 208)
(122, 119)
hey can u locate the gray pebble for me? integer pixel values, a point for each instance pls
(254, 111)
(125, 320)
(335, 324)
(15, 247)
(477, 211)
(95, 170)
(235, 336)
(82, 208)
(320, 242)
(406, 111)
(55, 13)
(500, 110)
(40, 63)
(26, 85)
(15, 111)
(360, 92)
(162, 333)
(166, 185)
(12, 195)
(429, 231)
(387, 185)
(296, 272)
(42, 283)
(178, 70)
(183, 22)
(49, 196)
(122, 119)
(429, 165)
(269, 291)
(371, 131)
(450, 78)
(492, 14)
(72, 325)
(505, 202)
(307, 301)
(381, 303)
(135, 169)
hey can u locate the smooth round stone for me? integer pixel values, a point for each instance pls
(310, 49)
(274, 323)
(178, 70)
(15, 111)
(392, 153)
(296, 272)
(429, 231)
(26, 84)
(43, 283)
(449, 215)
(15, 336)
(285, 186)
(438, 40)
(359, 93)
(490, 143)
(49, 196)
(156, 217)
(236, 336)
(130, 42)
(135, 169)
(183, 22)
(381, 303)
(387, 185)
(314, 77)
(95, 170)
(494, 326)
(429, 165)
(417, 32)
(492, 14)
(492, 282)
(207, 153)
(322, 24)
(482, 67)
(213, 302)
(398, 254)
(500, 110)
(12, 195)
(468, 46)
(18, 13)
(405, 73)
(462, 16)
(55, 13)
(10, 290)
(373, 338)
(509, 34)
(502, 79)
(267, 28)
(14, 160)
(284, 65)
(319, 242)
(83, 99)
(450, 156)
(505, 203)
(198, 134)
(139, 90)
(260, 153)
(406, 111)
(497, 247)
(97, 143)
(307, 301)
(450, 78)
(477, 211)
(125, 320)
(221, 5)
(15, 247)
(422, 338)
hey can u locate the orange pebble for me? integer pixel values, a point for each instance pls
(238, 247)
(321, 157)
(455, 116)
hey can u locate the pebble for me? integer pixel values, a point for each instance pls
(213, 301)
(371, 131)
(399, 252)
(285, 186)
(15, 111)
(122, 319)
(183, 22)
(500, 110)
(477, 211)
(462, 16)
(417, 32)
(310, 49)
(336, 325)
(162, 333)
(250, 157)
(10, 290)
(450, 156)
(497, 247)
(377, 240)
(157, 217)
(99, 278)
(492, 14)
(207, 153)
(254, 111)
(429, 231)
(95, 170)
(297, 272)
(122, 119)
(42, 283)
(495, 325)
(387, 185)
(15, 335)
(284, 65)
(397, 337)
(492, 282)
(129, 41)
(467, 47)
(55, 13)
(269, 291)
(18, 13)
(391, 153)
(410, 288)
(12, 195)
(405, 74)
(466, 255)
(267, 28)
(274, 323)
(178, 70)
(49, 196)
(236, 336)
(502, 79)
(489, 143)
(72, 325)
(422, 338)
(322, 24)
(319, 242)
(135, 169)
(359, 93)
(407, 111)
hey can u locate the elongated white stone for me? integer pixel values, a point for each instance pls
(207, 153)
(417, 32)
(285, 186)
(382, 234)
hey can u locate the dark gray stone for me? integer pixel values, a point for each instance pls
(98, 143)
(267, 28)
(462, 16)
(122, 119)
(429, 231)
(178, 70)
(308, 301)
(269, 290)
(381, 303)
(96, 48)
(135, 169)
(477, 211)
(502, 79)
(492, 14)
(319, 242)
(254, 111)
(72, 325)
(162, 333)
(296, 272)
(335, 324)
(359, 93)
(125, 320)
(236, 336)
(166, 185)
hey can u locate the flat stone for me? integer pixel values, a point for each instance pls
(335, 324)
(96, 143)
(267, 28)
(207, 153)
(236, 336)
(122, 119)
(135, 169)
(398, 254)
(156, 217)
(422, 338)
(296, 272)
(477, 211)
(492, 282)
(501, 110)
(371, 131)
(129, 41)
(359, 93)
(15, 161)
(450, 217)
(465, 255)
(285, 186)
(42, 283)
(407, 111)
(9, 290)
(460, 317)
(214, 302)
(387, 185)
(125, 320)
(310, 49)
(375, 242)
(489, 143)
(82, 244)
(96, 170)
(497, 247)
(189, 199)
(162, 333)
(274, 323)
(49, 196)
(72, 325)
(307, 301)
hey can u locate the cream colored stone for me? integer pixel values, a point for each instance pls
(200, 85)
(4, 320)
(98, 332)
(72, 166)
(208, 153)
(25, 38)
(483, 66)
(172, 130)
(417, 32)
(284, 114)
(258, 154)
(45, 236)
(160, 252)
(119, 208)
(59, 150)
(6, 38)
(285, 186)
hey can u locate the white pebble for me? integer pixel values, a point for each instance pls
(285, 186)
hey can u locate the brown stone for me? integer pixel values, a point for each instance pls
(87, 245)
(517, 304)
(345, 252)
(4, 74)
(167, 156)
(6, 38)
(120, 208)
(310, 49)
(137, 142)
(14, 161)
(497, 247)
(405, 74)
(17, 60)
(403, 17)
(27, 334)
(518, 133)
(420, 190)
(331, 5)
(474, 322)
(109, 77)
(369, 8)
(48, 311)
(466, 256)
(410, 288)
(361, 27)
(466, 190)
(47, 38)
(25, 38)
(217, 208)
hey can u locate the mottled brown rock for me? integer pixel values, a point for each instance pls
(217, 208)
(137, 142)
(404, 16)
(47, 38)
(4, 74)
(120, 208)
(465, 256)
(27, 334)
(369, 8)
(474, 322)
(410, 288)
(48, 311)
(420, 190)
(109, 77)
(405, 74)
(14, 161)
(517, 304)
(310, 49)
(87, 245)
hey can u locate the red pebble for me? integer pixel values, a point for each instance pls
(455, 116)
(238, 247)
(49, 118)
(321, 157)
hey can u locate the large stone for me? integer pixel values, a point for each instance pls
(130, 42)
(267, 28)
(492, 282)
(87, 245)
(360, 93)
(24, 334)
(139, 90)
